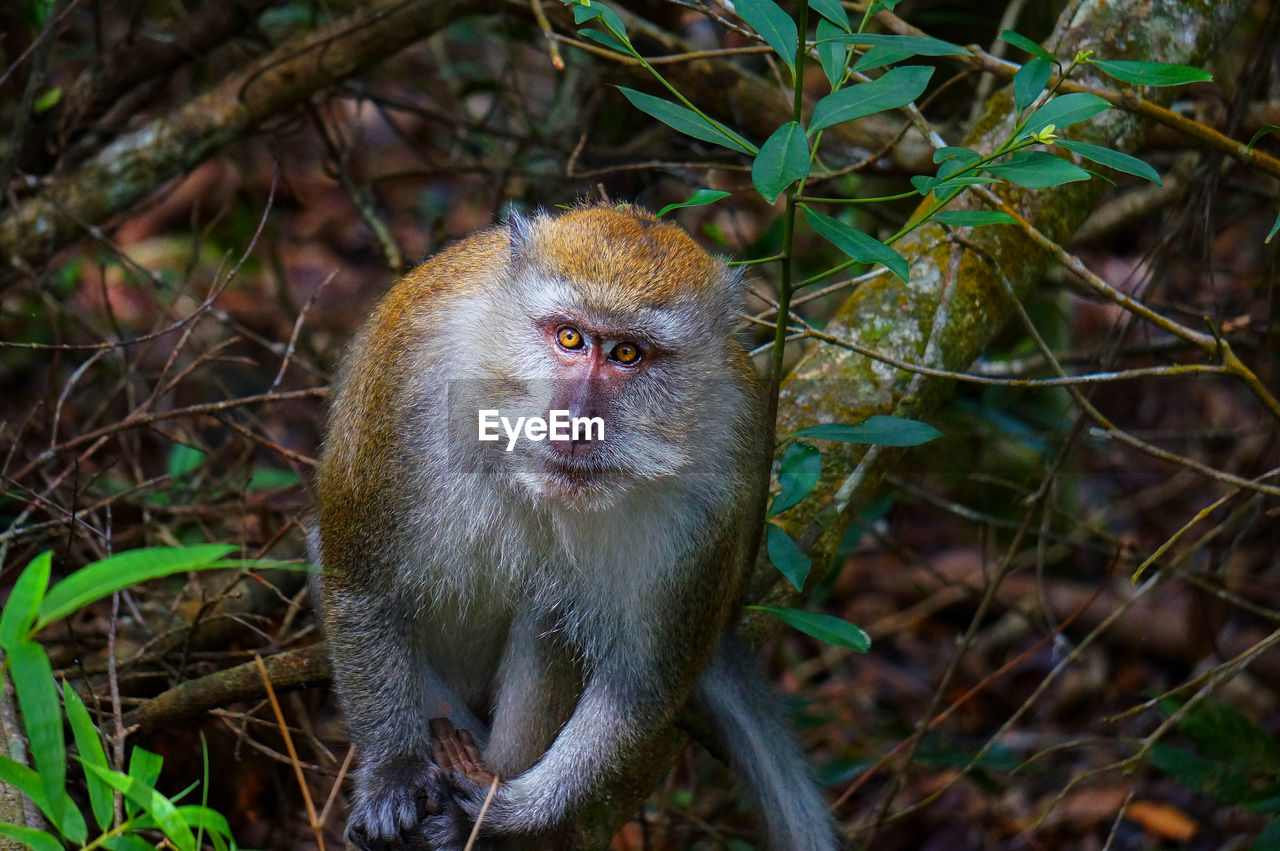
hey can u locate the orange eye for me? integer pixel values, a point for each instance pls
(626, 354)
(569, 338)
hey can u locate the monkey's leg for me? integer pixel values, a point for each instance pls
(749, 727)
(389, 692)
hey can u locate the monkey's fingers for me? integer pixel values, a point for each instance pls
(456, 750)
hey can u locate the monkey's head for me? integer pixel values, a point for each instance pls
(621, 325)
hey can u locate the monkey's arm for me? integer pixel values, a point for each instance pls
(388, 693)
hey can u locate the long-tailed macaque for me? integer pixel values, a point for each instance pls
(540, 495)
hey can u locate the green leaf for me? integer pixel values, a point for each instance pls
(683, 119)
(826, 628)
(42, 717)
(115, 573)
(952, 159)
(895, 88)
(798, 473)
(975, 218)
(914, 45)
(1021, 41)
(128, 842)
(1111, 159)
(1208, 777)
(783, 159)
(1065, 110)
(605, 39)
(855, 243)
(786, 556)
(210, 820)
(20, 611)
(1267, 130)
(1030, 81)
(1269, 838)
(774, 26)
(880, 56)
(47, 100)
(1275, 226)
(879, 429)
(184, 459)
(832, 12)
(1227, 735)
(925, 185)
(831, 55)
(37, 840)
(1151, 73)
(91, 751)
(583, 13)
(1038, 170)
(697, 199)
(156, 805)
(145, 766)
(26, 780)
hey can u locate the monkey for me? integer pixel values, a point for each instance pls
(559, 595)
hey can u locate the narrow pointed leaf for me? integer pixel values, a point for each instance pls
(117, 572)
(896, 88)
(941, 184)
(582, 14)
(683, 119)
(831, 11)
(914, 45)
(1065, 110)
(1112, 159)
(152, 802)
(41, 715)
(856, 244)
(606, 39)
(145, 766)
(773, 25)
(786, 556)
(798, 474)
(783, 159)
(826, 628)
(1274, 227)
(91, 751)
(1151, 73)
(37, 840)
(1267, 130)
(128, 842)
(975, 218)
(1021, 41)
(1030, 81)
(20, 610)
(879, 429)
(880, 56)
(832, 55)
(25, 779)
(1038, 170)
(697, 199)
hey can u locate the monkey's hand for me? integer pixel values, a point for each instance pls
(467, 783)
(396, 800)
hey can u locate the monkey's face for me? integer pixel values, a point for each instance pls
(613, 361)
(628, 393)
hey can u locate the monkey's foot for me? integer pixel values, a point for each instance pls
(390, 816)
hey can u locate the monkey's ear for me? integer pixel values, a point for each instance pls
(520, 231)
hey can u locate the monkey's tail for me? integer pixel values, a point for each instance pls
(747, 724)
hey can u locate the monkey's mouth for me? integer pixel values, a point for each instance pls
(572, 475)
